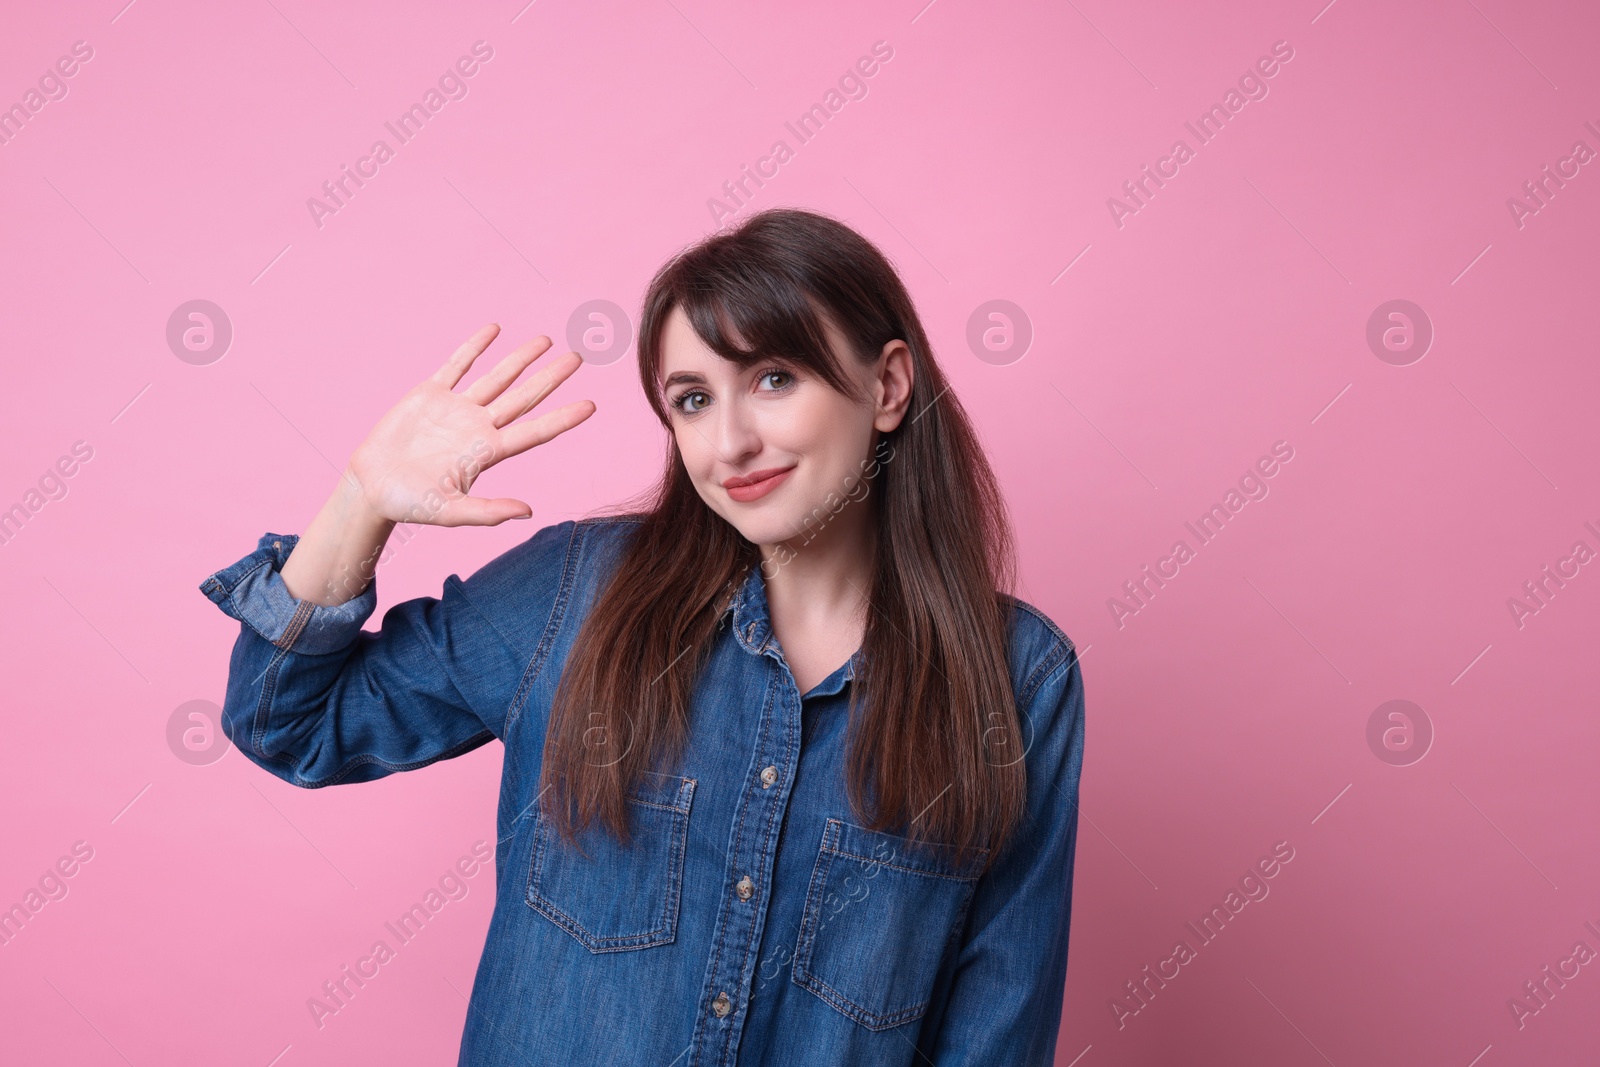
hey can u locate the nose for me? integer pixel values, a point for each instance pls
(733, 432)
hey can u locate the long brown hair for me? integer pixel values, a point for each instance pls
(934, 742)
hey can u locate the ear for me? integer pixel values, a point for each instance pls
(892, 386)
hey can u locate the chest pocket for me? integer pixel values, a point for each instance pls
(878, 921)
(617, 898)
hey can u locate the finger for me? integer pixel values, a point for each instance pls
(480, 511)
(506, 371)
(522, 436)
(515, 403)
(458, 363)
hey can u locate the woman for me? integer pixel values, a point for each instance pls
(788, 777)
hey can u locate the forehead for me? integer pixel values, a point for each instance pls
(682, 349)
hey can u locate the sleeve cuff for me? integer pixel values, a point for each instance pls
(252, 591)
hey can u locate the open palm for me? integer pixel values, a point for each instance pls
(419, 462)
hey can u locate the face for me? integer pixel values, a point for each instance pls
(804, 443)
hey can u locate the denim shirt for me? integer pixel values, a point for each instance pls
(752, 921)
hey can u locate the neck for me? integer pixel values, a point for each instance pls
(824, 574)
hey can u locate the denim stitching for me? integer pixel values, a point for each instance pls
(722, 924)
(800, 971)
(772, 816)
(558, 610)
(806, 978)
(910, 870)
(672, 808)
(677, 836)
(767, 723)
(483, 737)
(228, 591)
(871, 1020)
(258, 723)
(297, 623)
(259, 564)
(461, 587)
(259, 726)
(1042, 671)
(680, 843)
(1048, 622)
(621, 943)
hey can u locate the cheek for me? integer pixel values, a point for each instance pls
(831, 456)
(691, 448)
(819, 427)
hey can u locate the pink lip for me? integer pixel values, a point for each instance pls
(757, 484)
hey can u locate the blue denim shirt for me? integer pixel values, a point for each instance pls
(752, 921)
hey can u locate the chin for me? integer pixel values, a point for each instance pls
(762, 529)
(763, 523)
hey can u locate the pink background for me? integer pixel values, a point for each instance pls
(1227, 715)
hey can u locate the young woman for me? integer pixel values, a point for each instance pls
(789, 777)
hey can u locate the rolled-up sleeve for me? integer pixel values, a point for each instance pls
(317, 700)
(252, 591)
(1005, 996)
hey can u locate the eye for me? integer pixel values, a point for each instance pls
(778, 372)
(682, 401)
(694, 401)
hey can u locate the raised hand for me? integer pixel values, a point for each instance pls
(420, 460)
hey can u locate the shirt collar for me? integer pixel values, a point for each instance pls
(752, 628)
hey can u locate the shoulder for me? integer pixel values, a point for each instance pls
(539, 584)
(602, 536)
(540, 575)
(1049, 690)
(559, 548)
(1040, 652)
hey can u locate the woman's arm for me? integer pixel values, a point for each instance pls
(1004, 1005)
(338, 554)
(315, 699)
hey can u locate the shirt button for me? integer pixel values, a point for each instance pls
(722, 1005)
(745, 887)
(768, 776)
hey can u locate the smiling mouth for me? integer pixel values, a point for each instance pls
(754, 477)
(757, 484)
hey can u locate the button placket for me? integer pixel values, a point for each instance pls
(741, 917)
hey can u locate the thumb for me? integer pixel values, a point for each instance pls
(478, 511)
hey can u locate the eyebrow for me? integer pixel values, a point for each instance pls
(689, 377)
